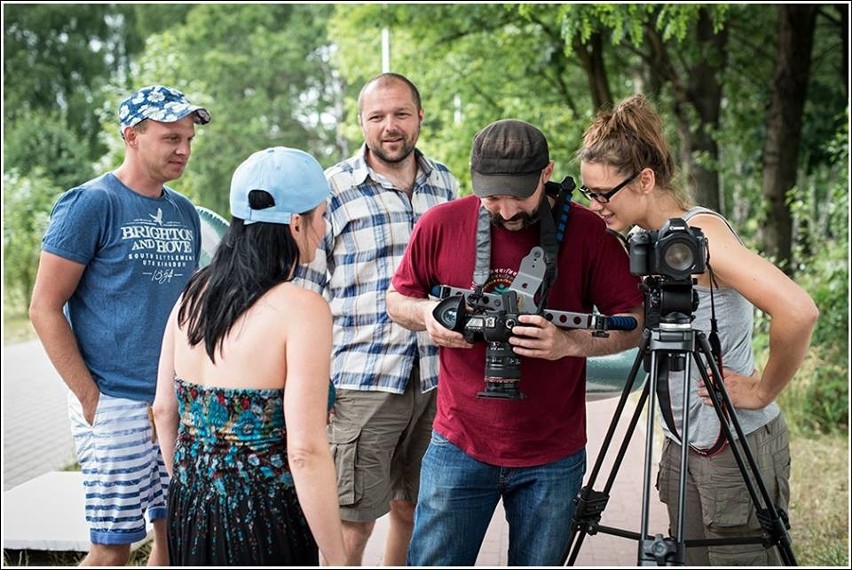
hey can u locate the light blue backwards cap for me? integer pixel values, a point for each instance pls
(293, 177)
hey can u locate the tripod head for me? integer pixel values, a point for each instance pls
(673, 338)
(668, 301)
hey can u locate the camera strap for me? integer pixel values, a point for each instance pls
(552, 229)
(713, 338)
(482, 269)
(666, 411)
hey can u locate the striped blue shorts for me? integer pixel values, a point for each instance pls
(123, 472)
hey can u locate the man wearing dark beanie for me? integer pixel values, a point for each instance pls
(526, 448)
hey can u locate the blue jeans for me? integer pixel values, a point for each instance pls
(458, 495)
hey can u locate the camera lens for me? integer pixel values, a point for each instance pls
(501, 362)
(450, 317)
(679, 257)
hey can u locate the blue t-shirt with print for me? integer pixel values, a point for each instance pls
(139, 253)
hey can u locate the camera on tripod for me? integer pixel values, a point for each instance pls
(668, 257)
(502, 365)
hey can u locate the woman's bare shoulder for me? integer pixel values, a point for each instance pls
(297, 300)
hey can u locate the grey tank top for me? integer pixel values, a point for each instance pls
(735, 319)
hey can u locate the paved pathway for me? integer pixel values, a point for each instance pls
(36, 440)
(36, 431)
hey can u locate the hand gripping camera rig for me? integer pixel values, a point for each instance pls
(489, 317)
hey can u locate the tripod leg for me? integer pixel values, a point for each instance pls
(680, 496)
(658, 550)
(591, 503)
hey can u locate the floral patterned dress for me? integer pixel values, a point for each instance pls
(232, 500)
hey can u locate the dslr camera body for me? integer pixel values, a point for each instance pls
(502, 365)
(668, 258)
(675, 251)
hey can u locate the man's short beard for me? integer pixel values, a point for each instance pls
(388, 160)
(527, 219)
(409, 145)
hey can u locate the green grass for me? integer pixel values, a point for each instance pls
(138, 557)
(41, 558)
(819, 502)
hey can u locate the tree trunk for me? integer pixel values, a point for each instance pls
(697, 90)
(796, 25)
(590, 55)
(705, 94)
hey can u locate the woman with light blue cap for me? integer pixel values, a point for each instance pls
(244, 348)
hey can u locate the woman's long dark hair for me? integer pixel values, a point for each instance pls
(250, 260)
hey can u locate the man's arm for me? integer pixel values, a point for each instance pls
(56, 281)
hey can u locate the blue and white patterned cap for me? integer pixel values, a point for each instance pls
(159, 103)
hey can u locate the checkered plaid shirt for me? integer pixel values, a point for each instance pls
(369, 222)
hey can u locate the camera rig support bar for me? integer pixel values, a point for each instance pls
(562, 319)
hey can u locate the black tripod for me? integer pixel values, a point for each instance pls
(674, 339)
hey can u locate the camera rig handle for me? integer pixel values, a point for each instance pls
(527, 283)
(562, 319)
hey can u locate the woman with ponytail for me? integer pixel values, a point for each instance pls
(629, 178)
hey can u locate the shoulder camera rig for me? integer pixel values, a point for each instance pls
(526, 286)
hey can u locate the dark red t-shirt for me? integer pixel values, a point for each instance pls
(550, 422)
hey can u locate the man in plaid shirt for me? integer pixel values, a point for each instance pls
(385, 375)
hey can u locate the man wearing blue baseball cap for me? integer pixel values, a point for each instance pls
(116, 255)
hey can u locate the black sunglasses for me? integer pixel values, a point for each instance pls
(604, 197)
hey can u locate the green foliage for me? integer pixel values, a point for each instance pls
(149, 19)
(272, 86)
(817, 399)
(822, 212)
(677, 21)
(27, 201)
(822, 387)
(59, 57)
(42, 140)
(47, 51)
(620, 22)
